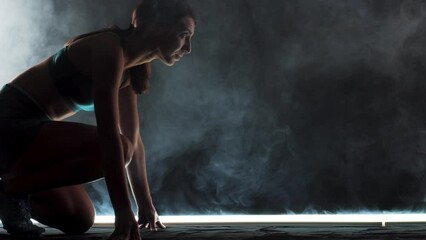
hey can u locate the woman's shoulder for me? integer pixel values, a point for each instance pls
(106, 39)
(103, 42)
(105, 35)
(108, 44)
(95, 49)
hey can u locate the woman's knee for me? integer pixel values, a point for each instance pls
(72, 223)
(68, 209)
(80, 219)
(77, 224)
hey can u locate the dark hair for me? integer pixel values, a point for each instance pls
(153, 17)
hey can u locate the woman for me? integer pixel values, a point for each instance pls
(44, 161)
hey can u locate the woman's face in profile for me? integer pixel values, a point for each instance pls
(178, 42)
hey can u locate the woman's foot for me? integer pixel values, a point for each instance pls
(15, 214)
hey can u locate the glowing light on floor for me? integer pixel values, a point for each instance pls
(283, 219)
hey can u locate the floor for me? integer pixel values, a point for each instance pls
(258, 231)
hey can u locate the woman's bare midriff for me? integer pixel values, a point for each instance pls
(37, 82)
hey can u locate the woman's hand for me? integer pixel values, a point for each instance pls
(126, 228)
(148, 218)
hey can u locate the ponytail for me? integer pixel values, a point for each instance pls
(139, 78)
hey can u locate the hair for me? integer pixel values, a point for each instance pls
(153, 18)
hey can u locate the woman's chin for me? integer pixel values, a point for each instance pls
(172, 62)
(169, 62)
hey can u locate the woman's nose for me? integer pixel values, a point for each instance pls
(186, 49)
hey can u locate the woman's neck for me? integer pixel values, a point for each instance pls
(138, 51)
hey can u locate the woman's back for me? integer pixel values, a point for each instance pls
(52, 92)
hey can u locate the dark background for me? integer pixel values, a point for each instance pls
(283, 106)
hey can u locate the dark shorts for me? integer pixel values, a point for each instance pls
(20, 122)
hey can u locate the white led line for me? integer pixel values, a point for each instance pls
(282, 219)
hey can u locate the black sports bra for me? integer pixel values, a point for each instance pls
(75, 87)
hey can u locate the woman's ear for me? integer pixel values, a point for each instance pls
(134, 19)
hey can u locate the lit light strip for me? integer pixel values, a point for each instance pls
(283, 219)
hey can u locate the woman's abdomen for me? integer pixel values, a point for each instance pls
(37, 83)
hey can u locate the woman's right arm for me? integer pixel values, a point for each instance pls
(107, 66)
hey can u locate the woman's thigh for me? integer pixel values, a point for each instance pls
(59, 141)
(62, 154)
(68, 209)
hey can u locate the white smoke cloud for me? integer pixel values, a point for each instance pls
(23, 24)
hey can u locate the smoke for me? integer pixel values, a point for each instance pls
(283, 106)
(23, 34)
(293, 105)
(345, 77)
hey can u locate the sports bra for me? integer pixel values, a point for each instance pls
(76, 88)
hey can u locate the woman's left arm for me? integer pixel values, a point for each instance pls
(136, 171)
